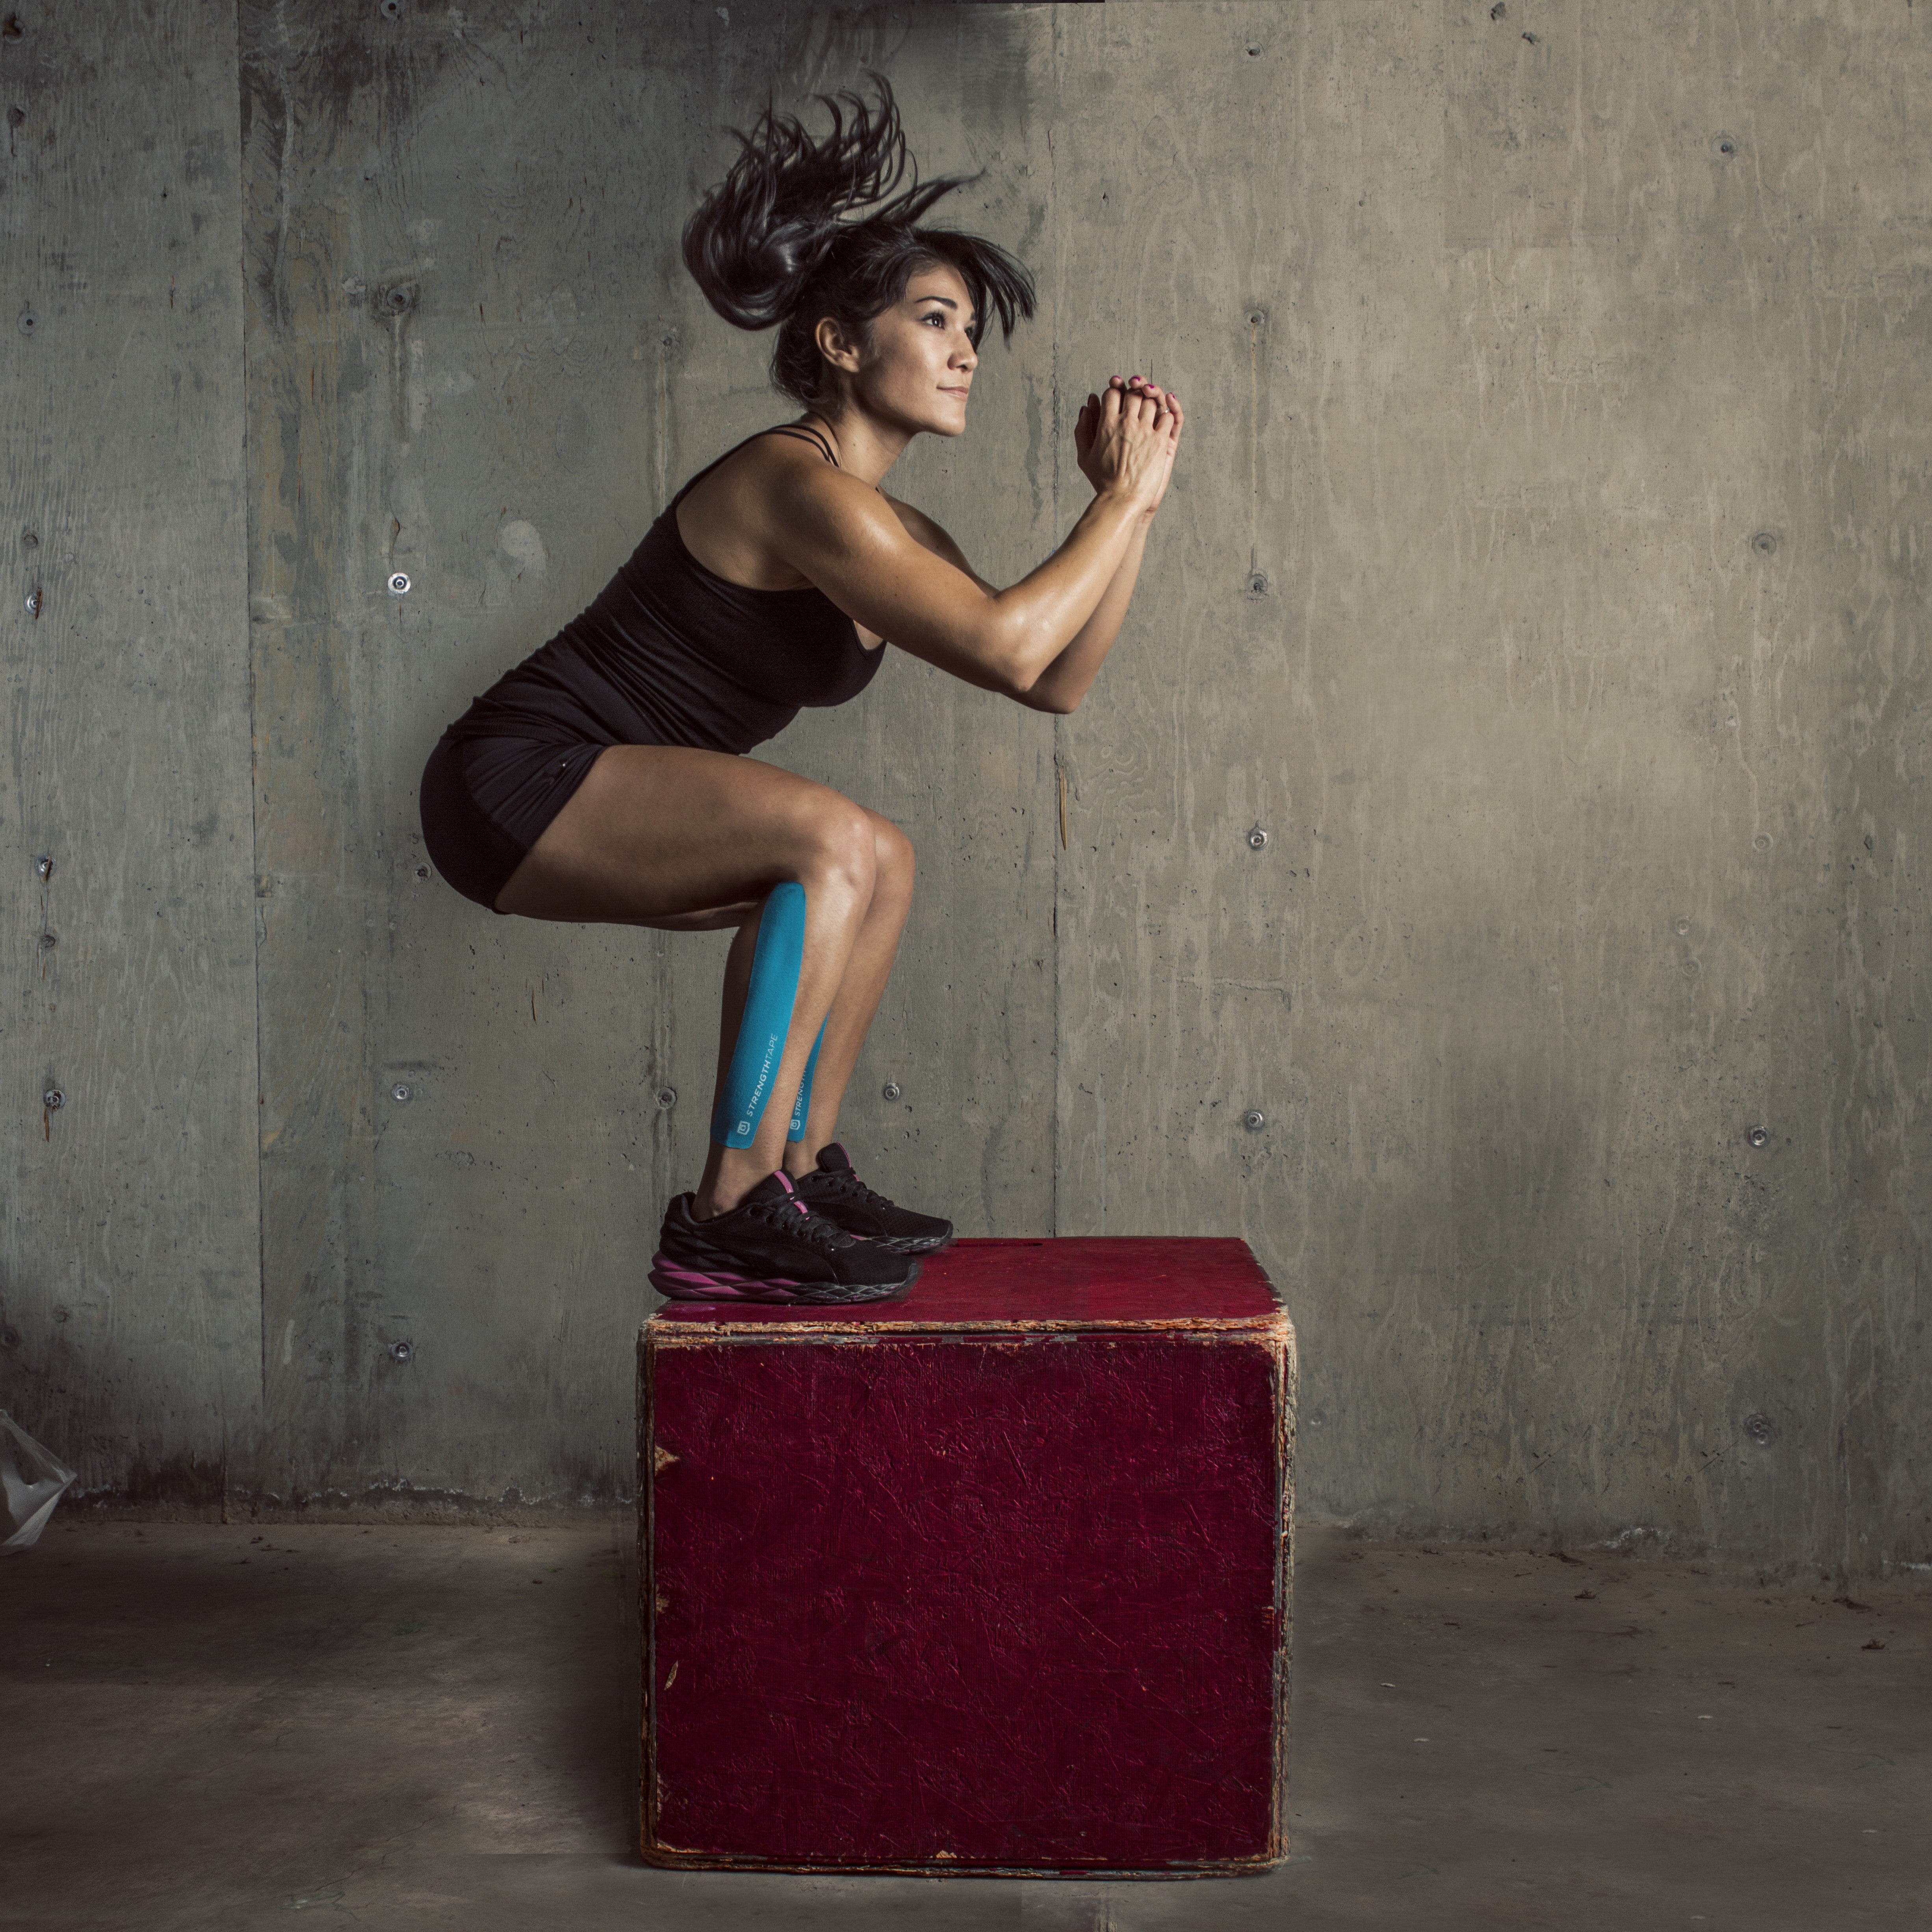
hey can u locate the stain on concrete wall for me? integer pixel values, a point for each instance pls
(1544, 577)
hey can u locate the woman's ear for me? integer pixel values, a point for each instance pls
(834, 346)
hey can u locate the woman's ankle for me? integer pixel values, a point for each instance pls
(706, 1204)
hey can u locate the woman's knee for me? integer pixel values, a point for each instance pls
(893, 859)
(840, 843)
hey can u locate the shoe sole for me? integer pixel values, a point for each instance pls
(681, 1283)
(912, 1244)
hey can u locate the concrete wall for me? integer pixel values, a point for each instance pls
(1546, 575)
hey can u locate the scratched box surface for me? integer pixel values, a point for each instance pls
(994, 1578)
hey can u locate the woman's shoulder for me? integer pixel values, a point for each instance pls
(746, 514)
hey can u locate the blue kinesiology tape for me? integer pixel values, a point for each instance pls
(796, 1130)
(775, 962)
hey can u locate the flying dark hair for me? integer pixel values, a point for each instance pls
(800, 229)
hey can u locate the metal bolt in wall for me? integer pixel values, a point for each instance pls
(1257, 838)
(400, 1093)
(891, 1089)
(53, 1098)
(44, 864)
(1757, 1137)
(1254, 1120)
(667, 1096)
(1761, 1430)
(400, 1351)
(399, 585)
(33, 601)
(29, 322)
(1765, 543)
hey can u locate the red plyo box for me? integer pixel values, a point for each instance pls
(994, 1579)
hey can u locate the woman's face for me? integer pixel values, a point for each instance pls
(918, 368)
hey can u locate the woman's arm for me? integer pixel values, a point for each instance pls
(846, 538)
(1064, 683)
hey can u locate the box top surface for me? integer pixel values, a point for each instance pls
(1070, 1281)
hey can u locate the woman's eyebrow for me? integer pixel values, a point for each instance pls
(950, 303)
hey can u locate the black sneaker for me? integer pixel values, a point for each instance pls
(772, 1247)
(838, 1194)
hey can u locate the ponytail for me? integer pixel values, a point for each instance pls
(800, 228)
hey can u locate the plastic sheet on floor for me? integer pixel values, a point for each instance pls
(31, 1481)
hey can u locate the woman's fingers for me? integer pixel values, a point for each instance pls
(1135, 425)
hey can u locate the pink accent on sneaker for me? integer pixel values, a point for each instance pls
(688, 1284)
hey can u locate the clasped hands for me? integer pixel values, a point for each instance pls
(1124, 439)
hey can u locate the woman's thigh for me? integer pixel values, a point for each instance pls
(667, 836)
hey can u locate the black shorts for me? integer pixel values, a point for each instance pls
(486, 801)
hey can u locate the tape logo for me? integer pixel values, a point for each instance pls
(744, 1127)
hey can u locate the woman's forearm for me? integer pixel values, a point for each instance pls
(1042, 615)
(1065, 681)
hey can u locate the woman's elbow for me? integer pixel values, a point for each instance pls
(1034, 699)
(1004, 652)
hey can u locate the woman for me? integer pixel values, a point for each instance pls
(604, 778)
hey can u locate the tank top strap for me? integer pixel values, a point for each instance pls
(797, 430)
(802, 431)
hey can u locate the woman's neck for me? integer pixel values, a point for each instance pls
(865, 449)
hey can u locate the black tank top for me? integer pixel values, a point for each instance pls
(671, 654)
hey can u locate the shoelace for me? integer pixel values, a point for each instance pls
(843, 1181)
(803, 1225)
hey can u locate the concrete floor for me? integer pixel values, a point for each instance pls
(207, 1727)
